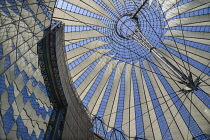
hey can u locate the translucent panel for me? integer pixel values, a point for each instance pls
(159, 88)
(22, 26)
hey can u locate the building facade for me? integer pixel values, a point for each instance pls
(35, 90)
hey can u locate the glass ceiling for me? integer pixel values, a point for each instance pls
(127, 85)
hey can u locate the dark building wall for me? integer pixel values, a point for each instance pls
(77, 124)
(50, 72)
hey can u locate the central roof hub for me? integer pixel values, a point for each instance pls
(126, 26)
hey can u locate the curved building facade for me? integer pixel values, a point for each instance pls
(122, 69)
(35, 90)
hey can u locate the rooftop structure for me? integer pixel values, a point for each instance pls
(116, 69)
(141, 67)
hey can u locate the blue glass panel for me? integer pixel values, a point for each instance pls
(5, 10)
(164, 128)
(105, 98)
(50, 111)
(2, 83)
(188, 119)
(204, 97)
(202, 137)
(8, 120)
(34, 104)
(42, 134)
(34, 82)
(192, 62)
(19, 54)
(79, 60)
(13, 7)
(193, 13)
(85, 74)
(25, 94)
(190, 43)
(99, 127)
(117, 135)
(43, 112)
(34, 69)
(33, 136)
(1, 51)
(93, 87)
(7, 62)
(17, 71)
(25, 77)
(11, 96)
(43, 88)
(22, 130)
(120, 107)
(138, 111)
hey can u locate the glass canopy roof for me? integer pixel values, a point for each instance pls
(126, 84)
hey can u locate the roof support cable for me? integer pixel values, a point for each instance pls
(127, 27)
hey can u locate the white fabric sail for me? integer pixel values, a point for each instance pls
(121, 81)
